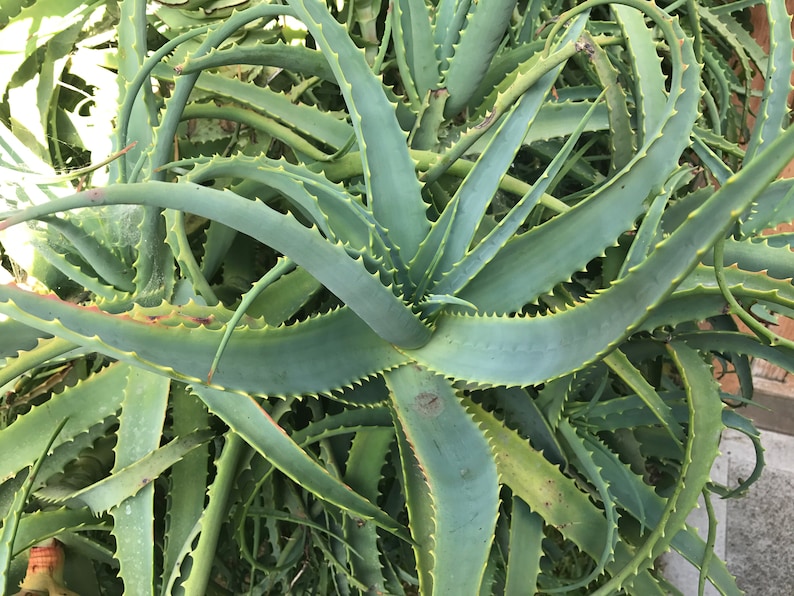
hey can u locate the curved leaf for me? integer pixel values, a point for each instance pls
(247, 418)
(519, 273)
(392, 187)
(181, 342)
(328, 263)
(459, 473)
(528, 350)
(486, 23)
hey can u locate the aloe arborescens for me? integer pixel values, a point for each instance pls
(453, 364)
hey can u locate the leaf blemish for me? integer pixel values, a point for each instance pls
(428, 404)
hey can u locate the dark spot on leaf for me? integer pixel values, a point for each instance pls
(428, 404)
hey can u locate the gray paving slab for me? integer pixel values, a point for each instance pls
(755, 534)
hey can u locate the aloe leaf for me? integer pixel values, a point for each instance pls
(139, 434)
(650, 232)
(299, 58)
(101, 390)
(65, 262)
(12, 516)
(420, 506)
(520, 272)
(93, 252)
(184, 349)
(176, 237)
(648, 79)
(500, 347)
(451, 235)
(392, 187)
(366, 458)
(346, 422)
(36, 174)
(551, 494)
(282, 267)
(328, 263)
(286, 179)
(620, 365)
(31, 29)
(773, 116)
(164, 135)
(195, 563)
(526, 549)
(308, 121)
(745, 284)
(542, 485)
(448, 20)
(774, 206)
(94, 444)
(143, 110)
(286, 296)
(640, 500)
(527, 76)
(757, 255)
(137, 79)
(38, 92)
(40, 525)
(479, 256)
(587, 467)
(621, 139)
(258, 122)
(187, 481)
(459, 474)
(152, 261)
(115, 489)
(247, 418)
(10, 9)
(336, 213)
(414, 47)
(741, 424)
(740, 343)
(486, 22)
(22, 358)
(705, 427)
(535, 419)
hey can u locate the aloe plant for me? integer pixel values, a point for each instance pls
(417, 317)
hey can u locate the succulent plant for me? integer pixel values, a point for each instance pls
(420, 306)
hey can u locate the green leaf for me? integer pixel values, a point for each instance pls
(24, 436)
(367, 456)
(140, 433)
(705, 428)
(247, 418)
(526, 549)
(188, 482)
(392, 187)
(459, 473)
(116, 488)
(648, 79)
(486, 22)
(196, 562)
(11, 518)
(414, 47)
(621, 366)
(329, 263)
(497, 350)
(519, 274)
(473, 261)
(552, 495)
(181, 342)
(773, 116)
(33, 27)
(40, 525)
